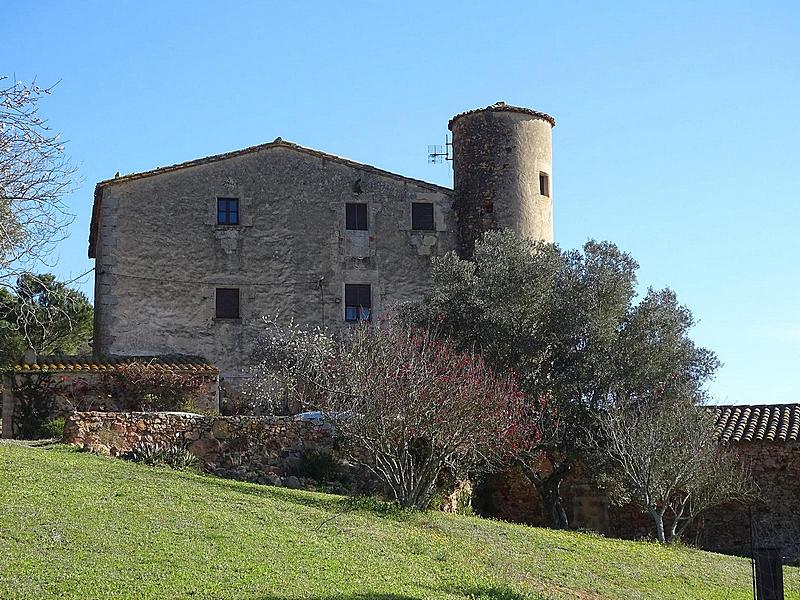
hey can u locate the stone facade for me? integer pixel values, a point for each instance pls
(259, 449)
(775, 518)
(503, 166)
(161, 255)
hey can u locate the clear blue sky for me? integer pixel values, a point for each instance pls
(677, 133)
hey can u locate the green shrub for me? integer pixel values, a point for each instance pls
(34, 405)
(54, 428)
(155, 455)
(319, 465)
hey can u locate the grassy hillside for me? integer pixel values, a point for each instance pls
(75, 525)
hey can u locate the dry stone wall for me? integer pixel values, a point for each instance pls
(266, 450)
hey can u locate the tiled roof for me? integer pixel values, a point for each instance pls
(757, 423)
(176, 363)
(503, 107)
(277, 143)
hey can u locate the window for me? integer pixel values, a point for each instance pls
(357, 302)
(544, 184)
(356, 216)
(227, 211)
(422, 216)
(227, 303)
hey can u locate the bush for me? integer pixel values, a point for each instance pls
(139, 387)
(319, 465)
(156, 455)
(135, 386)
(54, 428)
(408, 407)
(34, 406)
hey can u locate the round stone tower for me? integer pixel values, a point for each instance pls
(502, 159)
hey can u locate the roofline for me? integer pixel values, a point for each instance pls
(178, 363)
(277, 143)
(763, 405)
(503, 107)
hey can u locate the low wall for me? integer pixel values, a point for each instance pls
(775, 467)
(65, 390)
(258, 449)
(775, 518)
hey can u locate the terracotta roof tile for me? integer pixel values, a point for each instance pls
(73, 364)
(779, 423)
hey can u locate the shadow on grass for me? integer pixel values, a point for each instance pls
(336, 505)
(271, 492)
(472, 592)
(48, 443)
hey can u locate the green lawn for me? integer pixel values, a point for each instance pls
(74, 525)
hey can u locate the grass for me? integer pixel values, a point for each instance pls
(74, 525)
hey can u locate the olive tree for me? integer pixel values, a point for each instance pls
(665, 459)
(567, 322)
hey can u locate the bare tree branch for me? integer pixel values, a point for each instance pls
(35, 174)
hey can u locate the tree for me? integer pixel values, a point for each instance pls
(664, 458)
(34, 176)
(47, 315)
(410, 408)
(567, 324)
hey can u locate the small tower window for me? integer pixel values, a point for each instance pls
(227, 303)
(227, 211)
(356, 216)
(357, 302)
(422, 216)
(544, 184)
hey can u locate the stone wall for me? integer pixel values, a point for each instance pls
(776, 518)
(160, 253)
(258, 449)
(59, 381)
(775, 468)
(510, 496)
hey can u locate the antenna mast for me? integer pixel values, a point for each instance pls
(438, 152)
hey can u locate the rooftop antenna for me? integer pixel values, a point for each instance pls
(438, 152)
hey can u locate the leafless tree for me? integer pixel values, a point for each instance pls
(410, 408)
(665, 459)
(35, 175)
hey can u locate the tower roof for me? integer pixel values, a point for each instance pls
(503, 107)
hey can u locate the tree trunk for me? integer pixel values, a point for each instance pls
(550, 488)
(658, 519)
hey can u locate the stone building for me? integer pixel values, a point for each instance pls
(189, 257)
(765, 437)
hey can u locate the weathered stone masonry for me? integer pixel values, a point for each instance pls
(161, 254)
(766, 439)
(259, 449)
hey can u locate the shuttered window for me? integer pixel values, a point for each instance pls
(422, 216)
(227, 303)
(356, 216)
